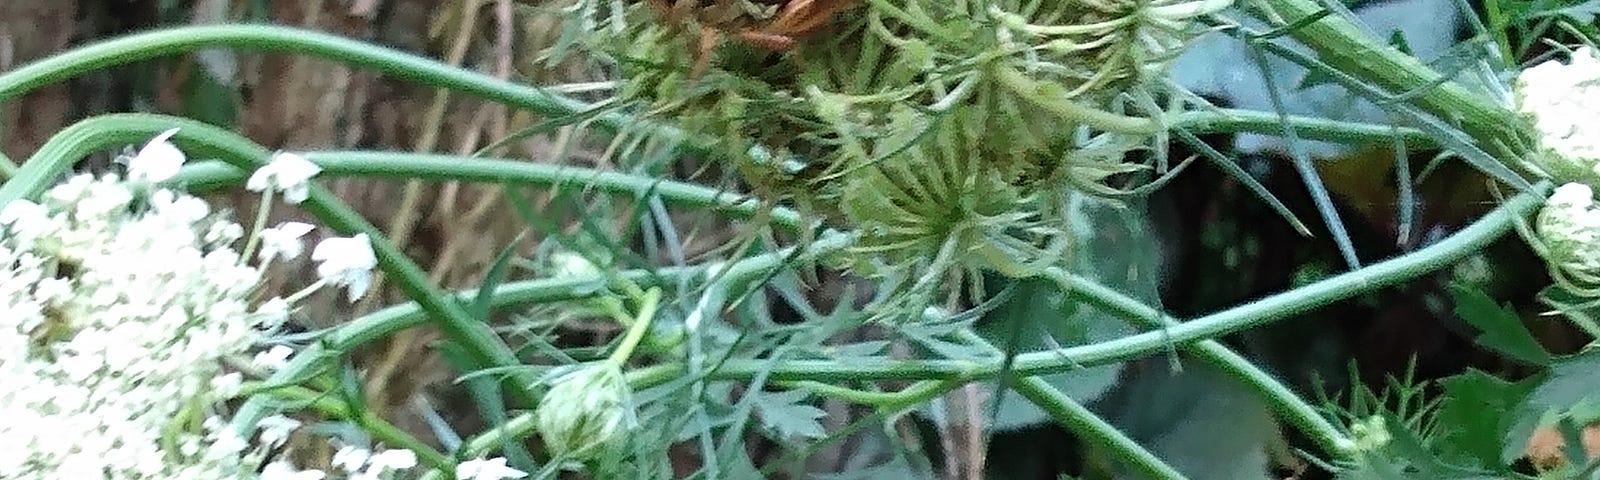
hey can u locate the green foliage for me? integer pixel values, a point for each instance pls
(788, 416)
(1502, 328)
(938, 144)
(1478, 412)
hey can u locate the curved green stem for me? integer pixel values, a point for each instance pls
(400, 64)
(207, 176)
(1267, 310)
(1284, 401)
(1345, 45)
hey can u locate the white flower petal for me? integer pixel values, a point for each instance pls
(286, 172)
(351, 458)
(346, 262)
(158, 161)
(274, 358)
(283, 241)
(398, 459)
(276, 429)
(490, 469)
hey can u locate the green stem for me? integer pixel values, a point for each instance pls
(1346, 46)
(1273, 308)
(1077, 419)
(399, 64)
(1261, 312)
(861, 397)
(1283, 399)
(385, 432)
(637, 327)
(132, 48)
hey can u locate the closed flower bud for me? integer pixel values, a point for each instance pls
(1569, 229)
(586, 411)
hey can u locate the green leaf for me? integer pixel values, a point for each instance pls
(1476, 414)
(1571, 384)
(1502, 328)
(784, 414)
(1571, 380)
(1581, 13)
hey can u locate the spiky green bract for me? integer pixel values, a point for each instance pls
(944, 131)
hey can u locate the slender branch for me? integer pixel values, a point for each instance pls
(1342, 43)
(1283, 399)
(208, 176)
(370, 422)
(1270, 309)
(1076, 418)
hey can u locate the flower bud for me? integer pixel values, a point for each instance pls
(586, 411)
(1370, 435)
(1569, 228)
(568, 265)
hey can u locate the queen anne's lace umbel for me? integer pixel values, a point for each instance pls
(1561, 100)
(120, 300)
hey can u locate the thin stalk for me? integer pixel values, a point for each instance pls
(1346, 46)
(1076, 418)
(381, 430)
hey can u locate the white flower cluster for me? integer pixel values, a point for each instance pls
(120, 300)
(1562, 100)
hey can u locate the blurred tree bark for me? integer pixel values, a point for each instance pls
(30, 29)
